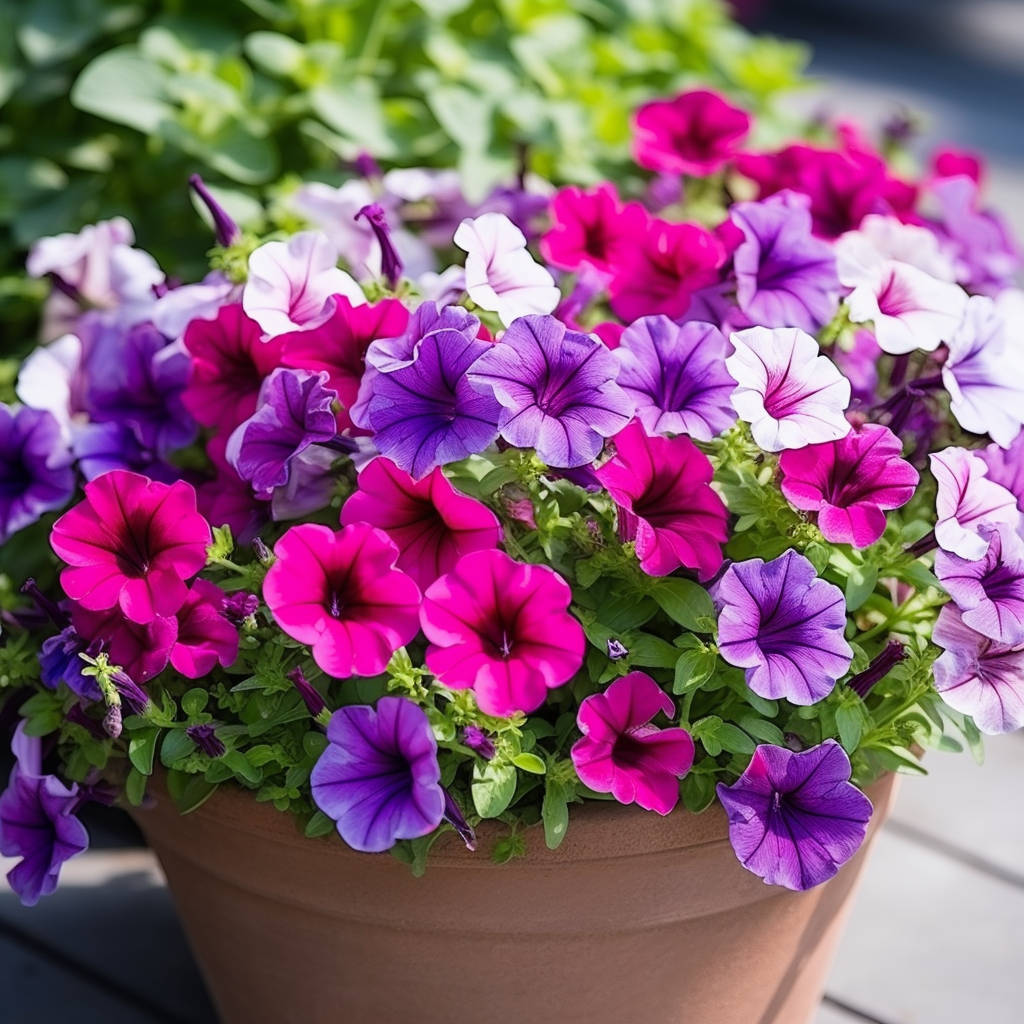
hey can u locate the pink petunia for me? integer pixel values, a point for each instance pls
(622, 753)
(662, 488)
(291, 285)
(227, 499)
(432, 524)
(657, 269)
(339, 344)
(339, 592)
(503, 629)
(587, 225)
(850, 483)
(131, 543)
(788, 392)
(695, 133)
(141, 650)
(205, 635)
(229, 363)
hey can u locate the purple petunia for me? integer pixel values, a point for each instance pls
(785, 276)
(37, 822)
(60, 662)
(795, 817)
(676, 376)
(35, 468)
(784, 626)
(989, 591)
(557, 390)
(295, 411)
(379, 779)
(978, 676)
(425, 412)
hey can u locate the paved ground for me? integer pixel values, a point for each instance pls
(935, 936)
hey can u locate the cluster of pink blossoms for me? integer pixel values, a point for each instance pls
(558, 484)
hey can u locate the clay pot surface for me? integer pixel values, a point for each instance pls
(635, 919)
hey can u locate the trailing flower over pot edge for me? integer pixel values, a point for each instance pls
(483, 537)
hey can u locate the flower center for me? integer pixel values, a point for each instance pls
(15, 477)
(334, 604)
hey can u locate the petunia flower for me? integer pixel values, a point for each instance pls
(978, 676)
(503, 629)
(795, 817)
(880, 239)
(142, 650)
(1006, 466)
(36, 475)
(431, 523)
(965, 500)
(378, 778)
(204, 736)
(557, 390)
(338, 346)
(60, 661)
(292, 284)
(784, 625)
(229, 364)
(984, 373)
(225, 230)
(989, 591)
(785, 277)
(131, 543)
(339, 593)
(296, 410)
(38, 822)
(659, 268)
(850, 483)
(662, 490)
(399, 349)
(501, 275)
(907, 308)
(695, 133)
(426, 413)
(587, 225)
(676, 376)
(789, 393)
(205, 636)
(623, 753)
(172, 312)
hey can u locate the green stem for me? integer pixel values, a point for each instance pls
(370, 50)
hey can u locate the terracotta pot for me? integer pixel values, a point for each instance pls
(636, 919)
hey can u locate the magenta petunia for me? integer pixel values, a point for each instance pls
(989, 591)
(229, 363)
(205, 637)
(795, 817)
(339, 593)
(965, 499)
(785, 626)
(662, 488)
(142, 650)
(38, 822)
(556, 388)
(658, 268)
(623, 753)
(676, 376)
(292, 284)
(587, 225)
(978, 676)
(789, 393)
(850, 483)
(785, 277)
(431, 523)
(378, 778)
(131, 543)
(338, 346)
(502, 628)
(695, 133)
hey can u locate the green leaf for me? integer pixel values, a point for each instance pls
(176, 745)
(698, 791)
(319, 825)
(135, 787)
(683, 601)
(652, 651)
(122, 86)
(530, 763)
(850, 723)
(239, 764)
(194, 702)
(860, 584)
(466, 116)
(734, 739)
(142, 750)
(275, 53)
(493, 787)
(554, 812)
(353, 110)
(693, 669)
